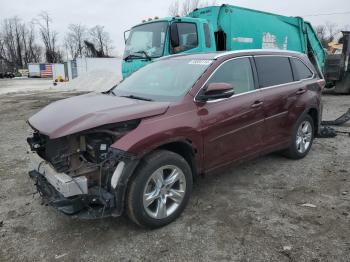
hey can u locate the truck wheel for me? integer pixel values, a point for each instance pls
(302, 138)
(160, 189)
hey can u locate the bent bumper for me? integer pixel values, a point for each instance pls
(97, 203)
(73, 197)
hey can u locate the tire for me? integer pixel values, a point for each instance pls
(147, 195)
(299, 138)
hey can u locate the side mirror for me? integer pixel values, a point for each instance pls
(126, 35)
(174, 35)
(215, 91)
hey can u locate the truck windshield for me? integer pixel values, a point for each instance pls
(164, 80)
(146, 41)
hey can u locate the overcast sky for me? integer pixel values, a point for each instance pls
(118, 16)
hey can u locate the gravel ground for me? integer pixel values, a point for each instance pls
(251, 212)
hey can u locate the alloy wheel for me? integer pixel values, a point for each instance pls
(304, 136)
(164, 191)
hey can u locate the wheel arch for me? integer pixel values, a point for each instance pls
(184, 149)
(314, 113)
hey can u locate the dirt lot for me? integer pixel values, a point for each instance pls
(249, 213)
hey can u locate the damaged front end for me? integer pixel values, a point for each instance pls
(81, 174)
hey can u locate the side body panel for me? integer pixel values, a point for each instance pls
(232, 129)
(180, 124)
(279, 112)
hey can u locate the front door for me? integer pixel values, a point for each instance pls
(232, 127)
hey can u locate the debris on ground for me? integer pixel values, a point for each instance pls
(327, 132)
(60, 256)
(339, 121)
(287, 248)
(308, 205)
(287, 251)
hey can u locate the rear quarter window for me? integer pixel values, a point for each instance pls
(301, 71)
(273, 70)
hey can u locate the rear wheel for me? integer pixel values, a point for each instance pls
(302, 138)
(160, 189)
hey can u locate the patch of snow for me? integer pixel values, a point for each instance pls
(98, 81)
(22, 85)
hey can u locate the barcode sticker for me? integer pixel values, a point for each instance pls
(200, 62)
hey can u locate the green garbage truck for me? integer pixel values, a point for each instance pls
(218, 28)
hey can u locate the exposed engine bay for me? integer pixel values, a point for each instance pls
(79, 168)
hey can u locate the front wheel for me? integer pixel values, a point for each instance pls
(160, 189)
(302, 138)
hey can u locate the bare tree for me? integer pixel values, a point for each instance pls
(32, 51)
(174, 8)
(101, 40)
(17, 45)
(92, 51)
(74, 40)
(332, 30)
(321, 33)
(12, 47)
(327, 33)
(49, 37)
(187, 6)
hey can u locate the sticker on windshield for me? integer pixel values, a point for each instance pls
(200, 62)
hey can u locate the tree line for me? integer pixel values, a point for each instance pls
(22, 43)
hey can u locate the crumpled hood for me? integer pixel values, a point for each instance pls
(79, 113)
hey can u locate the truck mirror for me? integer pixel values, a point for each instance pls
(174, 35)
(126, 35)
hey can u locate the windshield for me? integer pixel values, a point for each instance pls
(163, 80)
(146, 40)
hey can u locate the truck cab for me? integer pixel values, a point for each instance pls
(219, 28)
(162, 37)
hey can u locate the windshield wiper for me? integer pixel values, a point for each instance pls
(132, 56)
(138, 97)
(138, 54)
(145, 53)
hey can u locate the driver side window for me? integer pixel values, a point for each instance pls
(237, 72)
(188, 38)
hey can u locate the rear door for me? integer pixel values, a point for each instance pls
(232, 127)
(279, 93)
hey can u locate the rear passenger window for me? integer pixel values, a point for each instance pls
(273, 70)
(301, 71)
(237, 72)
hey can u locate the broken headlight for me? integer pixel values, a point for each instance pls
(95, 143)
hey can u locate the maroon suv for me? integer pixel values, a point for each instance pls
(139, 146)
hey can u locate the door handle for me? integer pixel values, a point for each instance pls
(257, 104)
(301, 91)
